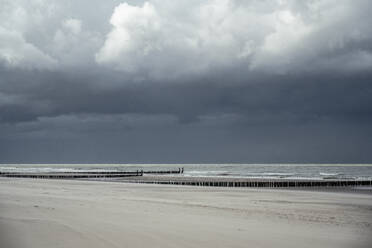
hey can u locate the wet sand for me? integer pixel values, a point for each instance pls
(66, 213)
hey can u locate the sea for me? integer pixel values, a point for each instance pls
(254, 171)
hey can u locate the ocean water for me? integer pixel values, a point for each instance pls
(285, 171)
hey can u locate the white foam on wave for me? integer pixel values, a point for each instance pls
(329, 174)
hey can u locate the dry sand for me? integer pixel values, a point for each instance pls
(60, 213)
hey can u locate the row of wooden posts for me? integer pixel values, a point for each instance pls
(88, 174)
(268, 184)
(214, 182)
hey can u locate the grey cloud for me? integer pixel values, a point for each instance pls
(196, 143)
(262, 97)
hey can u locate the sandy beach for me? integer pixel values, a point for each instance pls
(66, 213)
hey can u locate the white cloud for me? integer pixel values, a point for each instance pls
(17, 25)
(73, 45)
(157, 39)
(168, 39)
(15, 51)
(72, 25)
(45, 33)
(135, 31)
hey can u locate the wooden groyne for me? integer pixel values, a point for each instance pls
(179, 171)
(144, 177)
(276, 183)
(69, 176)
(87, 174)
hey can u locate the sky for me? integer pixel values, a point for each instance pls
(188, 81)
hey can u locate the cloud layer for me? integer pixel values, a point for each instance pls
(158, 40)
(163, 39)
(171, 81)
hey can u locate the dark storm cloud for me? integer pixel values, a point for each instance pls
(246, 81)
(268, 99)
